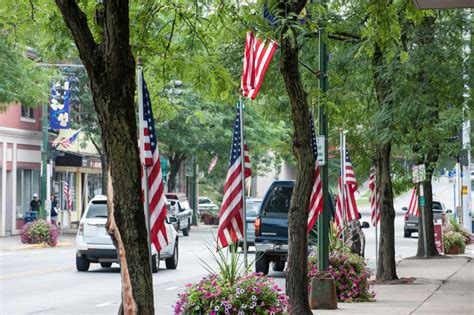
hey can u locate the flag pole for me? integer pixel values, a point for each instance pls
(242, 155)
(343, 182)
(145, 169)
(375, 199)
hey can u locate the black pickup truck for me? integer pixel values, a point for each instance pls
(271, 227)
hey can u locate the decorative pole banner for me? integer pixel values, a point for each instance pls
(59, 106)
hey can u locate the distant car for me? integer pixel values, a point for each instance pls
(252, 207)
(94, 244)
(411, 221)
(206, 204)
(181, 211)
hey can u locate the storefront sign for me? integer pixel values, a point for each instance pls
(438, 234)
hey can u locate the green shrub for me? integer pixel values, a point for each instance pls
(452, 240)
(456, 227)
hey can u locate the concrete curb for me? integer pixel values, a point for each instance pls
(36, 246)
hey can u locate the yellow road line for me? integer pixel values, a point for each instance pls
(33, 246)
(34, 272)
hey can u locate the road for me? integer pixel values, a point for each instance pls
(46, 281)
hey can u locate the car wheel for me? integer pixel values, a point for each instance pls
(82, 263)
(185, 232)
(105, 264)
(278, 265)
(155, 263)
(406, 233)
(172, 262)
(262, 263)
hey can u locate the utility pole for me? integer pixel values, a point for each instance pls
(44, 156)
(323, 295)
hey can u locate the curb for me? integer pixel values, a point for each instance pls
(36, 246)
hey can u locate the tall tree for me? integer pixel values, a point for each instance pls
(111, 69)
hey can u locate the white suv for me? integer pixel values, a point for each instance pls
(94, 244)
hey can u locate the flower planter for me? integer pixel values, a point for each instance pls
(454, 250)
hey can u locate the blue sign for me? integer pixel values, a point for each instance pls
(59, 107)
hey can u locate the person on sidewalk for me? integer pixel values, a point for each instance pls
(54, 210)
(35, 206)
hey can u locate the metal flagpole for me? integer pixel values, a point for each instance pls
(242, 154)
(374, 194)
(343, 182)
(145, 169)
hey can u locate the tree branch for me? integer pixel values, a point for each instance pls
(76, 21)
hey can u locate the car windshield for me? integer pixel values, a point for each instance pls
(204, 201)
(252, 208)
(184, 205)
(437, 206)
(279, 200)
(98, 209)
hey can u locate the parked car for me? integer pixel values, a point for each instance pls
(411, 221)
(182, 211)
(252, 206)
(94, 244)
(205, 204)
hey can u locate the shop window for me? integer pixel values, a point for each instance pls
(27, 184)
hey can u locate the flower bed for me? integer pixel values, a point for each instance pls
(351, 276)
(249, 294)
(39, 232)
(454, 243)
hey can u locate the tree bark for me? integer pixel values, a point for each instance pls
(111, 70)
(297, 277)
(176, 160)
(386, 267)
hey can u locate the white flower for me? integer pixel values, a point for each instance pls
(63, 119)
(55, 105)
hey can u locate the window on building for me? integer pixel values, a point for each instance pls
(27, 112)
(27, 183)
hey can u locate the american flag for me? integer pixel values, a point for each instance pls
(67, 141)
(413, 207)
(231, 222)
(212, 165)
(258, 55)
(350, 187)
(374, 197)
(67, 193)
(316, 200)
(151, 160)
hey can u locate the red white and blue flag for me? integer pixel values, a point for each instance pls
(316, 200)
(374, 197)
(258, 55)
(151, 160)
(212, 165)
(350, 211)
(413, 207)
(231, 220)
(67, 141)
(67, 192)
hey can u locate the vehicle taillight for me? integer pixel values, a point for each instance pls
(257, 227)
(81, 228)
(406, 216)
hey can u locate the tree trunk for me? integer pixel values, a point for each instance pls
(176, 160)
(111, 70)
(297, 277)
(386, 267)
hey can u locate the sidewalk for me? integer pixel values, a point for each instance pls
(14, 242)
(442, 286)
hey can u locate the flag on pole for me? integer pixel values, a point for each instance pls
(67, 193)
(258, 55)
(67, 141)
(212, 165)
(350, 187)
(151, 160)
(374, 197)
(413, 207)
(316, 200)
(231, 221)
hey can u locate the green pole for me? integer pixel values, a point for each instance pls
(323, 223)
(44, 152)
(194, 191)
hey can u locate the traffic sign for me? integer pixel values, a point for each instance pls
(419, 173)
(320, 143)
(422, 201)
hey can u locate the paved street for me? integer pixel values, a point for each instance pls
(46, 281)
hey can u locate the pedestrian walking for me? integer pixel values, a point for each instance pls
(35, 206)
(54, 210)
